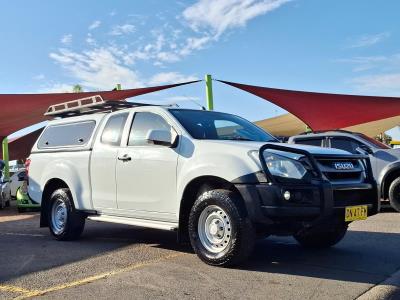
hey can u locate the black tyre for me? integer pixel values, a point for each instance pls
(220, 232)
(322, 239)
(21, 210)
(65, 222)
(394, 194)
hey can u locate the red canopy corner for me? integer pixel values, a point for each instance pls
(322, 111)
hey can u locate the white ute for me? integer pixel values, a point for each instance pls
(215, 178)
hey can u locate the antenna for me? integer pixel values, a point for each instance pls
(198, 104)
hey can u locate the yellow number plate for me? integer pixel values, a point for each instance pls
(354, 213)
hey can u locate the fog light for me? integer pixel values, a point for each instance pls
(286, 195)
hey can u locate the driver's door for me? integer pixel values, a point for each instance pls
(146, 173)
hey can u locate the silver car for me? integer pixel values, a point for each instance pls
(385, 161)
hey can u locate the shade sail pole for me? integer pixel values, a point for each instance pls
(209, 92)
(6, 159)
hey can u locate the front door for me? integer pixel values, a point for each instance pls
(146, 173)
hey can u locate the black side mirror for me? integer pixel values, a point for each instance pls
(364, 149)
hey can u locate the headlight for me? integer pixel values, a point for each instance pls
(282, 166)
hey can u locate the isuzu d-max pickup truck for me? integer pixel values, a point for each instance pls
(216, 179)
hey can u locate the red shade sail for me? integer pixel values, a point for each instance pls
(322, 111)
(21, 147)
(18, 111)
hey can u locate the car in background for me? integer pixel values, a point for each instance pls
(385, 160)
(16, 181)
(24, 202)
(5, 192)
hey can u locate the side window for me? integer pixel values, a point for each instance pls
(311, 142)
(112, 132)
(344, 144)
(67, 135)
(142, 123)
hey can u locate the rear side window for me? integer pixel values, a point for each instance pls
(67, 135)
(112, 132)
(310, 142)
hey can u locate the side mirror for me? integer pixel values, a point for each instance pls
(364, 149)
(161, 137)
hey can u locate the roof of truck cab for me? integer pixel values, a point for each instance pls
(92, 117)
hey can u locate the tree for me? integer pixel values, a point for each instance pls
(77, 88)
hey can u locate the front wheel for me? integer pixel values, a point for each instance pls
(322, 239)
(394, 194)
(65, 222)
(220, 232)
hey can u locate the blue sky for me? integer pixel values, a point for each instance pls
(340, 46)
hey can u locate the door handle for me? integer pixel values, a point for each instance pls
(125, 157)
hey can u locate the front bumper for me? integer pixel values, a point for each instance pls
(265, 202)
(317, 201)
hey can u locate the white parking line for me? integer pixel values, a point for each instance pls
(22, 234)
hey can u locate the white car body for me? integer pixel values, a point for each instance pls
(15, 183)
(99, 181)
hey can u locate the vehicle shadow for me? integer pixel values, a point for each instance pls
(365, 257)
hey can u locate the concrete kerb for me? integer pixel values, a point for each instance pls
(389, 289)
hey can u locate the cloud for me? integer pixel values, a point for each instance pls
(97, 69)
(170, 77)
(90, 40)
(102, 68)
(56, 88)
(94, 25)
(122, 29)
(39, 77)
(382, 83)
(66, 39)
(219, 16)
(369, 40)
(381, 62)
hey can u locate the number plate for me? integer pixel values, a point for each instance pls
(354, 213)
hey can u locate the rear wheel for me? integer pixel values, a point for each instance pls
(394, 194)
(322, 239)
(220, 232)
(65, 222)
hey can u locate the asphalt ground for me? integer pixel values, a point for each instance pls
(118, 261)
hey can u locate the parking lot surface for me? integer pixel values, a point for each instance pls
(118, 261)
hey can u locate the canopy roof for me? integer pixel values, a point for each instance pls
(22, 110)
(322, 111)
(288, 125)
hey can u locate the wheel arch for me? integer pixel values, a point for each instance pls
(191, 192)
(388, 174)
(50, 186)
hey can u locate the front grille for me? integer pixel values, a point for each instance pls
(342, 176)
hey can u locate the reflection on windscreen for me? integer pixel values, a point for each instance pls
(219, 126)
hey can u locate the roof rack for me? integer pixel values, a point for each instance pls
(323, 131)
(88, 105)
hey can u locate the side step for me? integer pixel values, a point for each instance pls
(135, 222)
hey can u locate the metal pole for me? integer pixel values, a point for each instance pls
(209, 92)
(6, 159)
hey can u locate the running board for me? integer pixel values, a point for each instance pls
(135, 222)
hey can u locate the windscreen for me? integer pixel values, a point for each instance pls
(209, 125)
